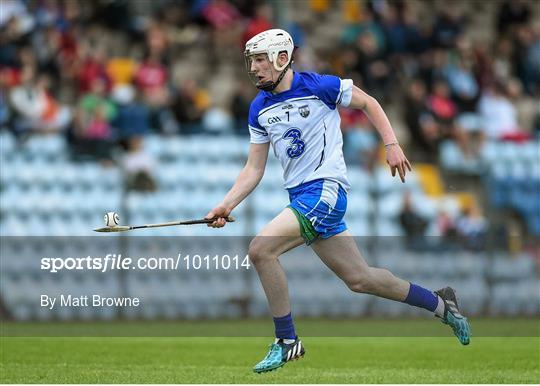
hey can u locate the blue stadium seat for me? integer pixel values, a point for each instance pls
(489, 152)
(358, 226)
(46, 144)
(508, 152)
(7, 143)
(359, 179)
(452, 158)
(390, 205)
(424, 205)
(359, 204)
(507, 268)
(383, 182)
(270, 204)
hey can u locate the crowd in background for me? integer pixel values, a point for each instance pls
(65, 71)
(106, 73)
(467, 230)
(449, 85)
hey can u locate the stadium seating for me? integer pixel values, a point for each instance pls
(43, 193)
(513, 179)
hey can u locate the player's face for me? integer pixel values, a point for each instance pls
(260, 69)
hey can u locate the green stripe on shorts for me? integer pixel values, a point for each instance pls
(306, 227)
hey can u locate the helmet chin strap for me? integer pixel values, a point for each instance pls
(270, 86)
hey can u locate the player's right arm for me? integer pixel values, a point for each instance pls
(247, 180)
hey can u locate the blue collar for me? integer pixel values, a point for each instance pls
(294, 85)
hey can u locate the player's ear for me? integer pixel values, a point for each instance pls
(283, 57)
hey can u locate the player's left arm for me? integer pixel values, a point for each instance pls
(394, 154)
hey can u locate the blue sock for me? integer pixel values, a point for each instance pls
(421, 297)
(285, 327)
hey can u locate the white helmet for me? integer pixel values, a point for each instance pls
(270, 42)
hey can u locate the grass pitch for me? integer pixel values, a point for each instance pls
(230, 359)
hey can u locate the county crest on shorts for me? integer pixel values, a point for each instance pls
(304, 111)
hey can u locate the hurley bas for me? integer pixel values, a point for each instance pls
(88, 301)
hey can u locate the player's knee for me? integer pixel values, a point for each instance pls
(361, 283)
(259, 251)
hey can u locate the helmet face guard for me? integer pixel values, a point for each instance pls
(260, 73)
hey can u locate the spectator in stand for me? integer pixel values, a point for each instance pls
(351, 12)
(133, 117)
(395, 31)
(189, 104)
(261, 21)
(466, 92)
(220, 14)
(413, 224)
(47, 46)
(360, 141)
(525, 108)
(138, 166)
(93, 68)
(499, 115)
(240, 103)
(121, 70)
(373, 66)
(422, 127)
(471, 228)
(527, 58)
(15, 20)
(34, 107)
(446, 230)
(405, 38)
(502, 65)
(367, 24)
(225, 21)
(157, 39)
(462, 83)
(439, 62)
(448, 26)
(418, 36)
(93, 135)
(444, 111)
(151, 79)
(69, 51)
(54, 39)
(116, 15)
(319, 7)
(512, 13)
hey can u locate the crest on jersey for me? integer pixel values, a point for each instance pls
(304, 111)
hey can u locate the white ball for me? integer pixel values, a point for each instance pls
(112, 219)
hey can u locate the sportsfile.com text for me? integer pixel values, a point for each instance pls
(113, 261)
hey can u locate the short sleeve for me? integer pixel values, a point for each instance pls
(333, 90)
(345, 92)
(257, 133)
(258, 136)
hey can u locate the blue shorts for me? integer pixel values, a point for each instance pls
(323, 203)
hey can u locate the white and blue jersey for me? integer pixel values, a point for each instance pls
(303, 126)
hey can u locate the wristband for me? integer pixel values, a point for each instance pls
(391, 144)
